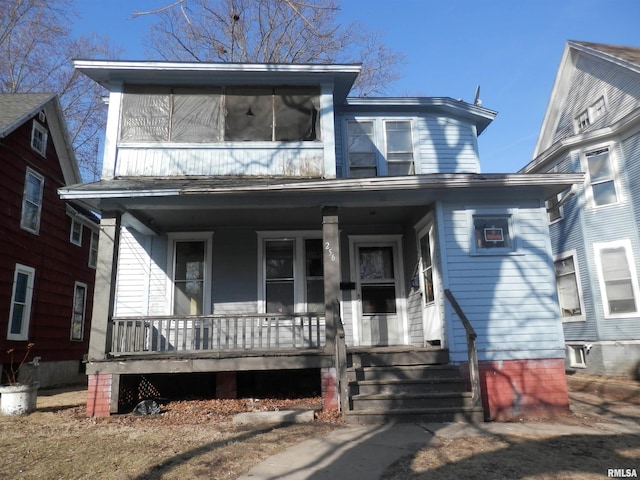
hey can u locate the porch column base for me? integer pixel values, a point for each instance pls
(226, 385)
(100, 398)
(514, 389)
(329, 378)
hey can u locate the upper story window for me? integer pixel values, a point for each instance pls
(75, 236)
(552, 204)
(39, 138)
(380, 147)
(32, 201)
(601, 177)
(590, 115)
(93, 250)
(198, 115)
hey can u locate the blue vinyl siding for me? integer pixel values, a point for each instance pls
(509, 299)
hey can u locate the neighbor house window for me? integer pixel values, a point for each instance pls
(32, 201)
(39, 138)
(492, 233)
(554, 209)
(77, 317)
(292, 270)
(20, 311)
(569, 295)
(93, 249)
(590, 115)
(601, 177)
(75, 235)
(577, 357)
(617, 277)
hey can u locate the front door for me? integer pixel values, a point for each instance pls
(379, 309)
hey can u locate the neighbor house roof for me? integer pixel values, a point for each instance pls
(18, 108)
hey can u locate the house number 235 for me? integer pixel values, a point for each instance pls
(327, 247)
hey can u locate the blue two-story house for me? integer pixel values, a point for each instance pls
(592, 125)
(257, 220)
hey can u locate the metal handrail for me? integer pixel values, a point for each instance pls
(472, 352)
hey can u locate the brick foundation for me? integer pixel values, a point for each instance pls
(226, 385)
(99, 395)
(524, 388)
(329, 379)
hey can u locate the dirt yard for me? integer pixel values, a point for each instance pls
(197, 439)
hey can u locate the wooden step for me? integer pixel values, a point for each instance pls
(408, 372)
(382, 386)
(439, 415)
(399, 401)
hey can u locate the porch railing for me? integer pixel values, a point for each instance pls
(472, 351)
(238, 332)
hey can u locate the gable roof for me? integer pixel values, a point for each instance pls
(620, 56)
(18, 108)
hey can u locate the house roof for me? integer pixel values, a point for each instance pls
(112, 74)
(479, 116)
(18, 108)
(620, 56)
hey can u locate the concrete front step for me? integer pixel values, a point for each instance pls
(439, 415)
(399, 401)
(372, 387)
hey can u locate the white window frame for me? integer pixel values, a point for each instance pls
(30, 272)
(74, 312)
(614, 175)
(511, 215)
(93, 248)
(39, 144)
(582, 121)
(75, 234)
(591, 114)
(26, 201)
(207, 238)
(577, 360)
(299, 271)
(380, 142)
(573, 254)
(626, 245)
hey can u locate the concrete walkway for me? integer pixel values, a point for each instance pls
(364, 452)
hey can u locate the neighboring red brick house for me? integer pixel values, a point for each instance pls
(47, 266)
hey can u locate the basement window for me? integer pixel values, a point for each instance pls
(577, 356)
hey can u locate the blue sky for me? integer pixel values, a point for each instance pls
(511, 48)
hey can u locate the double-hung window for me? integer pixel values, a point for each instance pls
(601, 177)
(569, 296)
(20, 311)
(380, 147)
(617, 278)
(77, 316)
(93, 249)
(75, 236)
(191, 274)
(291, 267)
(32, 201)
(39, 138)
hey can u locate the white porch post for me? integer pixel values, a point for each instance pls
(105, 286)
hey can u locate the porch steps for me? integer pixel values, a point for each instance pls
(407, 385)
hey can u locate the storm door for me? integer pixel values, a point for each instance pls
(379, 312)
(432, 322)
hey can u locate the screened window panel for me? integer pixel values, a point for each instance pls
(313, 260)
(145, 117)
(315, 295)
(196, 116)
(296, 114)
(314, 270)
(249, 114)
(280, 296)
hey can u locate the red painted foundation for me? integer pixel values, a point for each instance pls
(329, 378)
(99, 395)
(514, 389)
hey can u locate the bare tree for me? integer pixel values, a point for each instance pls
(36, 49)
(271, 31)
